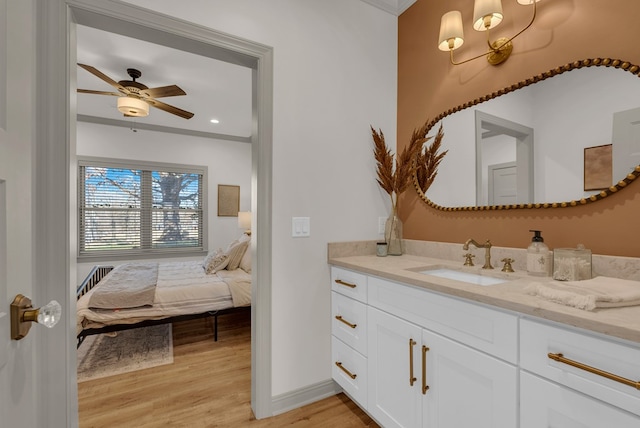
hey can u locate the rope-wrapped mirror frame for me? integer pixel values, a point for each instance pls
(593, 62)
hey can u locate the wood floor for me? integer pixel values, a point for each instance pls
(208, 385)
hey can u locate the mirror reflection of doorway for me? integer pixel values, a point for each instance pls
(626, 141)
(504, 161)
(503, 187)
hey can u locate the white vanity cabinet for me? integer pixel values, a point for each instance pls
(420, 378)
(572, 378)
(413, 358)
(426, 359)
(349, 332)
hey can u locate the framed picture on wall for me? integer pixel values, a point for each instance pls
(228, 200)
(598, 167)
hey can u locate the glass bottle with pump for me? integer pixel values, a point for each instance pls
(538, 256)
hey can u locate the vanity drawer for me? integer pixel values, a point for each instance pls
(592, 353)
(349, 370)
(349, 321)
(492, 331)
(349, 283)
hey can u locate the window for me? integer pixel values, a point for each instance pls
(136, 208)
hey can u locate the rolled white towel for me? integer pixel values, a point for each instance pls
(598, 292)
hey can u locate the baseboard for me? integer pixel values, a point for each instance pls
(303, 396)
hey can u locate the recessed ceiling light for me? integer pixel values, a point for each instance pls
(215, 121)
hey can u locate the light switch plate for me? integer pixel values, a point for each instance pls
(300, 227)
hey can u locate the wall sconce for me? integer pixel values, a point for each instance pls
(244, 221)
(133, 107)
(487, 14)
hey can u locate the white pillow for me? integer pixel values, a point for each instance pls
(234, 252)
(215, 261)
(245, 263)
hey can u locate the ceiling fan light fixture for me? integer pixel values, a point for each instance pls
(133, 107)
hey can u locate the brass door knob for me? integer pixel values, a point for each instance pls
(23, 314)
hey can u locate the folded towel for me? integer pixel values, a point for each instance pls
(599, 292)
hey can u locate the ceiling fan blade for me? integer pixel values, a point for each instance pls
(106, 78)
(169, 108)
(91, 91)
(164, 91)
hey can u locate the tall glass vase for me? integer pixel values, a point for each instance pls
(393, 234)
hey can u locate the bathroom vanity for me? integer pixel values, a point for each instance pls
(417, 350)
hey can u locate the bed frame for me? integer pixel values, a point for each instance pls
(99, 272)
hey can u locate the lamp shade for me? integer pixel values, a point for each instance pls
(244, 220)
(451, 34)
(489, 9)
(133, 107)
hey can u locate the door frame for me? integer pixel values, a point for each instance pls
(487, 126)
(55, 276)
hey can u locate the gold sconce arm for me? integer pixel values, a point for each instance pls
(23, 314)
(500, 49)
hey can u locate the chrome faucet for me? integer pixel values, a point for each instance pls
(487, 253)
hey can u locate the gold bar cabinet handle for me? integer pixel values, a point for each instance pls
(412, 379)
(346, 284)
(339, 318)
(425, 387)
(560, 358)
(341, 367)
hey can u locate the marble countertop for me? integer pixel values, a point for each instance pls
(623, 323)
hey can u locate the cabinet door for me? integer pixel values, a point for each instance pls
(466, 387)
(394, 398)
(545, 404)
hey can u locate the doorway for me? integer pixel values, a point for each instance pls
(56, 167)
(501, 142)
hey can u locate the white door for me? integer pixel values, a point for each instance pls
(467, 388)
(503, 184)
(16, 209)
(393, 399)
(35, 377)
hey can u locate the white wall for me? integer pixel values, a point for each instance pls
(228, 162)
(335, 75)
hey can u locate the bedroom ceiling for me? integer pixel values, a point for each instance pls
(215, 89)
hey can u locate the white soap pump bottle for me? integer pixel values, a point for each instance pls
(538, 260)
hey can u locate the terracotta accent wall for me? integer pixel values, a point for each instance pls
(565, 31)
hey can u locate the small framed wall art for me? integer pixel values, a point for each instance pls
(228, 200)
(598, 167)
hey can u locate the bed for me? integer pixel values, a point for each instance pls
(133, 295)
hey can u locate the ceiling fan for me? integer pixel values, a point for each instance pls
(134, 97)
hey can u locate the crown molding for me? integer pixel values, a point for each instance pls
(394, 7)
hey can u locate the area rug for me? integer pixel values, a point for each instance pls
(129, 350)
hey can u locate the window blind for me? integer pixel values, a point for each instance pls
(129, 210)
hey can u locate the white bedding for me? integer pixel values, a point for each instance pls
(182, 288)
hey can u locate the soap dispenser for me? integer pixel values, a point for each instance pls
(538, 256)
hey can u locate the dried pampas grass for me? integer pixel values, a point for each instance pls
(427, 162)
(395, 177)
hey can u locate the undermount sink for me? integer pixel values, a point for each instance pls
(470, 278)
